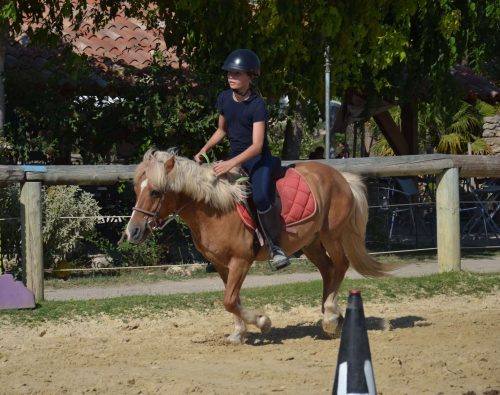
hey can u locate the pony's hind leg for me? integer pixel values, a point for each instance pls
(236, 276)
(340, 265)
(332, 271)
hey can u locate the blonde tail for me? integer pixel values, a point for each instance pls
(353, 240)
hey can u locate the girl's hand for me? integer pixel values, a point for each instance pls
(199, 157)
(222, 167)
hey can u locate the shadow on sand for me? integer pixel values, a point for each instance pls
(300, 331)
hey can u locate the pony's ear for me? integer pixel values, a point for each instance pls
(169, 164)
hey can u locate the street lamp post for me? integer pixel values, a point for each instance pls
(327, 102)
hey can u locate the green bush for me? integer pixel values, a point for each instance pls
(10, 237)
(7, 151)
(171, 245)
(69, 216)
(145, 254)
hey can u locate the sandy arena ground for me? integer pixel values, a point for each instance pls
(444, 345)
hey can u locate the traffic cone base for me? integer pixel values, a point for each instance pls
(365, 386)
(354, 373)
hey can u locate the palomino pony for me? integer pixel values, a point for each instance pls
(333, 237)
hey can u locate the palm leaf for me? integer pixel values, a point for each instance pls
(382, 148)
(485, 109)
(467, 121)
(480, 147)
(452, 143)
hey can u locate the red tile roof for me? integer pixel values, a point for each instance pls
(122, 42)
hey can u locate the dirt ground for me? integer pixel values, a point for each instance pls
(444, 345)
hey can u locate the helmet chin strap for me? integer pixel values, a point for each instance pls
(242, 94)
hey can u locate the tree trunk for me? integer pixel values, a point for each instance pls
(355, 139)
(362, 148)
(409, 125)
(3, 50)
(293, 137)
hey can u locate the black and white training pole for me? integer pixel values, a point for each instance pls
(354, 374)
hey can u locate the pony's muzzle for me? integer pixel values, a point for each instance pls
(135, 233)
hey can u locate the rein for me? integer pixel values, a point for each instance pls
(156, 222)
(237, 181)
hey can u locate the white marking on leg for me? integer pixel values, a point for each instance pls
(331, 315)
(264, 323)
(240, 331)
(252, 317)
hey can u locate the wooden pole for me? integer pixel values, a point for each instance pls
(448, 221)
(355, 139)
(447, 199)
(31, 231)
(411, 165)
(327, 102)
(362, 147)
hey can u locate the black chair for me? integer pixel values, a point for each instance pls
(479, 210)
(398, 198)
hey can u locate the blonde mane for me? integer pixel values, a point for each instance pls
(187, 176)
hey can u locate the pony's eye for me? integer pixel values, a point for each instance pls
(155, 194)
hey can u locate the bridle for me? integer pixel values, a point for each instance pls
(155, 222)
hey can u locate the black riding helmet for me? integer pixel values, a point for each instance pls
(242, 60)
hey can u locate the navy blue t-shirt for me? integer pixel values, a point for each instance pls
(240, 117)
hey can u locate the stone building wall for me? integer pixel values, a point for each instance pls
(491, 133)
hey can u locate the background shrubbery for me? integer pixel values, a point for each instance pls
(10, 236)
(69, 216)
(72, 236)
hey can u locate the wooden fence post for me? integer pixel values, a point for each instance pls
(31, 236)
(448, 221)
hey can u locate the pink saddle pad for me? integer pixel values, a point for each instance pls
(297, 200)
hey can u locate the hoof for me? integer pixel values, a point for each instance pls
(264, 323)
(235, 339)
(333, 327)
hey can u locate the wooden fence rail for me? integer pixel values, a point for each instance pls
(448, 168)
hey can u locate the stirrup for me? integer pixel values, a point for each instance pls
(278, 259)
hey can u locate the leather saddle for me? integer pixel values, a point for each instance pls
(294, 196)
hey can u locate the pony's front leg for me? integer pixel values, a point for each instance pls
(240, 331)
(237, 273)
(261, 321)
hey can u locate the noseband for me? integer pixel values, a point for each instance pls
(155, 222)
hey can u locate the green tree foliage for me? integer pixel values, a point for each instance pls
(163, 108)
(419, 43)
(402, 50)
(447, 129)
(43, 115)
(464, 127)
(387, 46)
(399, 49)
(44, 22)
